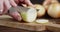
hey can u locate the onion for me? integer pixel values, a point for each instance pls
(47, 3)
(42, 21)
(40, 10)
(54, 10)
(27, 14)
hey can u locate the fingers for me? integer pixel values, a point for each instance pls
(24, 5)
(1, 6)
(6, 6)
(17, 1)
(12, 2)
(47, 2)
(16, 16)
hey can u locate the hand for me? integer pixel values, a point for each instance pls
(47, 2)
(6, 4)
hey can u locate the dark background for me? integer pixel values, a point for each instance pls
(38, 1)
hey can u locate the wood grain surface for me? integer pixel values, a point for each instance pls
(9, 22)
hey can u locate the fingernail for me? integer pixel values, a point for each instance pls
(8, 7)
(15, 5)
(1, 11)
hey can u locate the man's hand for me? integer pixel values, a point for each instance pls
(24, 2)
(47, 2)
(6, 4)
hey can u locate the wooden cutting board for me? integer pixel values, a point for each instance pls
(54, 26)
(9, 22)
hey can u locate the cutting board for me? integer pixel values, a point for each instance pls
(7, 21)
(10, 22)
(54, 26)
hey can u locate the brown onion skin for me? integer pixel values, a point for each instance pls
(54, 12)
